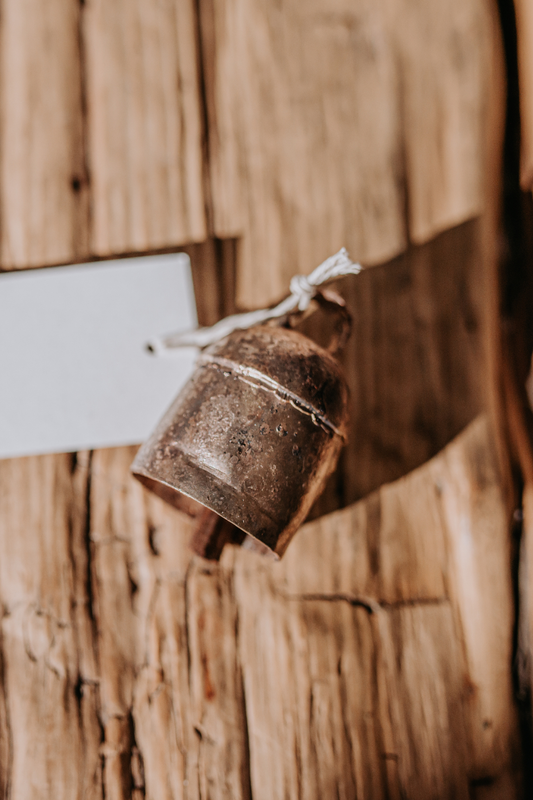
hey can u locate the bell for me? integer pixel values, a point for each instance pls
(254, 434)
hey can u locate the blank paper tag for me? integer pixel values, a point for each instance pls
(74, 372)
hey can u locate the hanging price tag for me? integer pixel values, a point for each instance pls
(74, 371)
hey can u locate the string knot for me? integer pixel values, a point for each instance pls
(302, 290)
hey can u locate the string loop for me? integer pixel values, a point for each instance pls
(303, 290)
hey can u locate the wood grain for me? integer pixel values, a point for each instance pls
(524, 29)
(326, 122)
(304, 157)
(371, 662)
(525, 635)
(216, 685)
(375, 660)
(343, 702)
(144, 125)
(420, 556)
(444, 58)
(48, 667)
(475, 515)
(139, 560)
(43, 194)
(311, 702)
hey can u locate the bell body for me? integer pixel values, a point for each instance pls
(254, 434)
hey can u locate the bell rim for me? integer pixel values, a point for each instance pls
(143, 475)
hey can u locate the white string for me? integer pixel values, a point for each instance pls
(303, 289)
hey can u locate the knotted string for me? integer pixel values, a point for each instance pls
(303, 290)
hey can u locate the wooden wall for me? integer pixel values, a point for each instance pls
(129, 127)
(330, 120)
(273, 138)
(375, 660)
(372, 662)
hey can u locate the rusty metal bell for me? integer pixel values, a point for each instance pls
(254, 434)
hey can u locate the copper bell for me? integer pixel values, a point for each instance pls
(254, 434)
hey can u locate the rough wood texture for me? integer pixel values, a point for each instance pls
(144, 125)
(323, 124)
(524, 24)
(43, 194)
(372, 662)
(324, 120)
(519, 428)
(48, 665)
(525, 635)
(302, 157)
(444, 57)
(375, 660)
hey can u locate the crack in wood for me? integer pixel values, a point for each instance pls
(370, 604)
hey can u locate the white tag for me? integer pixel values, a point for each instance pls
(74, 372)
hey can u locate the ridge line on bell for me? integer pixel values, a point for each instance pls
(256, 377)
(303, 288)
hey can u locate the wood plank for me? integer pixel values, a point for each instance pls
(310, 695)
(479, 581)
(361, 665)
(308, 153)
(165, 737)
(438, 536)
(171, 697)
(529, 386)
(47, 651)
(526, 564)
(43, 194)
(374, 660)
(345, 703)
(139, 560)
(444, 57)
(215, 681)
(524, 30)
(390, 547)
(424, 698)
(525, 634)
(213, 268)
(144, 125)
(304, 136)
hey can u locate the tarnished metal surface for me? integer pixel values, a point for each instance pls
(254, 434)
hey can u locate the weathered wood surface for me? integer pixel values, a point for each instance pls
(143, 125)
(524, 25)
(373, 661)
(525, 629)
(518, 411)
(101, 140)
(362, 665)
(445, 59)
(43, 186)
(325, 121)
(302, 157)
(324, 124)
